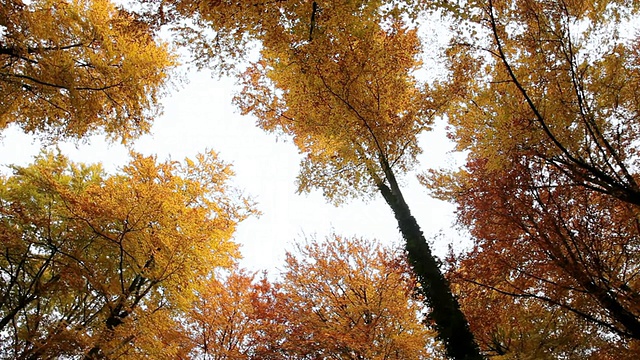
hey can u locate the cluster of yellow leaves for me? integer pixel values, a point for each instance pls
(102, 265)
(349, 298)
(73, 68)
(337, 77)
(575, 93)
(223, 321)
(345, 298)
(219, 33)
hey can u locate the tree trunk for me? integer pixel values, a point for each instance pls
(451, 324)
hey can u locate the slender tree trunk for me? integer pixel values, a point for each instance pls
(450, 322)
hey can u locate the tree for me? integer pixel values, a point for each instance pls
(348, 298)
(338, 78)
(558, 243)
(225, 322)
(548, 110)
(101, 266)
(345, 298)
(74, 68)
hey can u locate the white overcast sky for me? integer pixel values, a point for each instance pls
(199, 115)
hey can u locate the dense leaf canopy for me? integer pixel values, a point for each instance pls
(90, 260)
(342, 298)
(548, 111)
(542, 96)
(74, 68)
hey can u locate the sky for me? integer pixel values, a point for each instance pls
(199, 115)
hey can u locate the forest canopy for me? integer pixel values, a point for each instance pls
(540, 97)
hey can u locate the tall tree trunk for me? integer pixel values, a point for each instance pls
(451, 324)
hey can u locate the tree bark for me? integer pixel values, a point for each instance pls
(451, 324)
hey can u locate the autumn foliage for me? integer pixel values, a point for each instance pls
(343, 298)
(342, 85)
(132, 265)
(351, 298)
(90, 261)
(541, 96)
(547, 110)
(69, 69)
